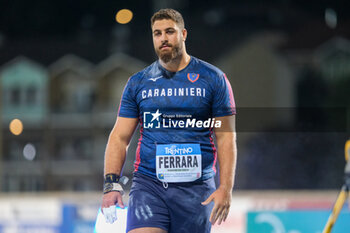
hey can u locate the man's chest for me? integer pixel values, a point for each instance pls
(177, 93)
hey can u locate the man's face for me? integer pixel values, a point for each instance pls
(168, 39)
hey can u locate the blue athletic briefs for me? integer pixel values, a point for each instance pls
(200, 90)
(176, 209)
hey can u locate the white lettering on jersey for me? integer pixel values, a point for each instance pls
(181, 92)
(156, 92)
(198, 92)
(163, 92)
(149, 93)
(192, 91)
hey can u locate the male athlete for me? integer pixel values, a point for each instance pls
(178, 101)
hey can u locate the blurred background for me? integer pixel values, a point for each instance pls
(63, 67)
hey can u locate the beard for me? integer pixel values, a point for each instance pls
(167, 56)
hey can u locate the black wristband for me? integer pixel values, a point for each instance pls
(111, 178)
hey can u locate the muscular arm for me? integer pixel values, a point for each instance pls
(117, 144)
(227, 151)
(227, 154)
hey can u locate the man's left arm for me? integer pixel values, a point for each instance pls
(227, 156)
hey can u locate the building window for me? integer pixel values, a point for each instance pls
(31, 96)
(15, 96)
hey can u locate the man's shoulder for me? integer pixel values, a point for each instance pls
(144, 73)
(206, 67)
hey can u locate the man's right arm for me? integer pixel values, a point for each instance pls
(115, 154)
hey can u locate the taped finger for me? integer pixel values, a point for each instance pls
(106, 214)
(112, 213)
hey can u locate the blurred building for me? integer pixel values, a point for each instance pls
(71, 134)
(332, 58)
(24, 92)
(67, 111)
(262, 81)
(315, 83)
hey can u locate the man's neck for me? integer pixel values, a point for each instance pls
(177, 64)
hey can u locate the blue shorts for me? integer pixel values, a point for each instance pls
(175, 209)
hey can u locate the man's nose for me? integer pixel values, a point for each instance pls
(164, 38)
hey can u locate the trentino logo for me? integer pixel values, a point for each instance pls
(173, 150)
(153, 120)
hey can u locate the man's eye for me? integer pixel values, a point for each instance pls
(170, 32)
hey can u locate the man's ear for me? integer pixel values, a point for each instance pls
(184, 34)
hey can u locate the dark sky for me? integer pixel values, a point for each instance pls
(34, 27)
(26, 18)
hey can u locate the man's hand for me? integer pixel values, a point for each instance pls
(222, 202)
(109, 202)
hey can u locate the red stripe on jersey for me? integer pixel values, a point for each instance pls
(213, 148)
(120, 103)
(138, 158)
(232, 99)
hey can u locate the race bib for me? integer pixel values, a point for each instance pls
(178, 162)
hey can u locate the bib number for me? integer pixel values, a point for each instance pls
(178, 162)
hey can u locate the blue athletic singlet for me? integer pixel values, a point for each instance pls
(177, 108)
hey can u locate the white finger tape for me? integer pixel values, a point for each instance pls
(110, 214)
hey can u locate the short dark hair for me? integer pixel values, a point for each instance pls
(169, 14)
